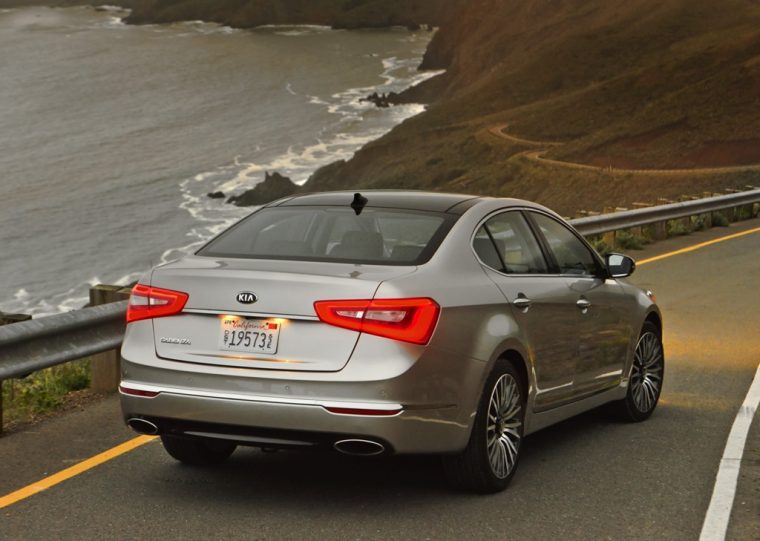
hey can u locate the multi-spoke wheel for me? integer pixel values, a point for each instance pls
(490, 459)
(504, 428)
(645, 384)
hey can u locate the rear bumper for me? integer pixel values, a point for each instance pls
(292, 422)
(431, 395)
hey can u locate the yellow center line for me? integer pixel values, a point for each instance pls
(76, 469)
(697, 246)
(127, 446)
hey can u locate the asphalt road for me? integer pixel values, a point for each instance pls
(586, 478)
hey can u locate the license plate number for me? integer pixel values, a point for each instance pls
(249, 335)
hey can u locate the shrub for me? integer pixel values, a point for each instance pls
(719, 220)
(43, 391)
(677, 227)
(698, 223)
(626, 240)
(597, 242)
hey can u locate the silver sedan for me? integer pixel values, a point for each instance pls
(388, 322)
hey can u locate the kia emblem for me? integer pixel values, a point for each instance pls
(246, 297)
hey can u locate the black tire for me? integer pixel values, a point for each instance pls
(197, 451)
(472, 469)
(647, 376)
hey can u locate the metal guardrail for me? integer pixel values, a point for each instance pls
(40, 343)
(603, 223)
(32, 345)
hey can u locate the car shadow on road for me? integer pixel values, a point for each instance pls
(311, 480)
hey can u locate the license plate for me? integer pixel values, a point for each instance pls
(249, 335)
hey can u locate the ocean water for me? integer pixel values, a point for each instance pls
(111, 135)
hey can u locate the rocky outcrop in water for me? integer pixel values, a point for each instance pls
(275, 186)
(382, 100)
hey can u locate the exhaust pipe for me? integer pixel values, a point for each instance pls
(359, 447)
(141, 426)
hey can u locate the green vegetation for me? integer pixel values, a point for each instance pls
(677, 228)
(598, 243)
(626, 240)
(43, 391)
(719, 220)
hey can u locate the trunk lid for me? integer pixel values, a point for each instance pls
(282, 316)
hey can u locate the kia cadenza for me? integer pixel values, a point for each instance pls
(388, 322)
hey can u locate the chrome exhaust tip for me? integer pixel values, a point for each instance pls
(141, 426)
(355, 447)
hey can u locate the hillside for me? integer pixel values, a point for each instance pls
(631, 84)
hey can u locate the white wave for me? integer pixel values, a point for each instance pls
(316, 100)
(72, 303)
(313, 27)
(115, 22)
(203, 27)
(110, 8)
(21, 294)
(289, 88)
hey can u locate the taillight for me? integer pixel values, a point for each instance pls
(148, 302)
(408, 320)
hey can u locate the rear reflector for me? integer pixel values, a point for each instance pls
(149, 302)
(355, 411)
(137, 392)
(407, 320)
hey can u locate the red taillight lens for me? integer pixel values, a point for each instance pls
(148, 302)
(408, 320)
(138, 392)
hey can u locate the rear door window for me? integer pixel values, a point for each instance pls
(507, 244)
(376, 236)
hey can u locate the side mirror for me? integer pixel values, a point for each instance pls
(619, 265)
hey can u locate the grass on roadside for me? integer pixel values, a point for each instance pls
(42, 392)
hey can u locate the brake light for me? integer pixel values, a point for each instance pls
(149, 302)
(408, 320)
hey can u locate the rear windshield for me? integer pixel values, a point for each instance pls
(376, 236)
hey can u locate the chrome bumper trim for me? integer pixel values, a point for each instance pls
(380, 406)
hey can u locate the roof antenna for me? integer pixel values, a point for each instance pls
(359, 203)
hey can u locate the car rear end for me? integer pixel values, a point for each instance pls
(274, 335)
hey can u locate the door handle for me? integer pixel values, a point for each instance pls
(583, 304)
(522, 302)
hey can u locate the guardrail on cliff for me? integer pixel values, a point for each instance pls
(32, 345)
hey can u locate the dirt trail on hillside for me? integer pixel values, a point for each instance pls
(499, 131)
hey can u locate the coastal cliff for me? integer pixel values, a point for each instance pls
(578, 104)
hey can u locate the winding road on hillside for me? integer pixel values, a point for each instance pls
(586, 478)
(500, 131)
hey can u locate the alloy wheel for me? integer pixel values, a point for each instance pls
(646, 376)
(504, 426)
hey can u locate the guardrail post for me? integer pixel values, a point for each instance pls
(754, 208)
(7, 319)
(728, 214)
(106, 367)
(640, 229)
(609, 237)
